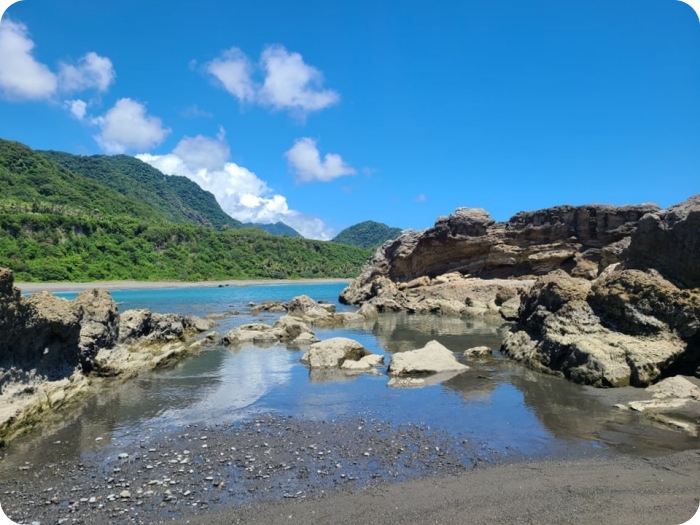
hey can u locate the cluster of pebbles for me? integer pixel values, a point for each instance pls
(201, 468)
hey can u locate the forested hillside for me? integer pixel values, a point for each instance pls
(57, 225)
(178, 199)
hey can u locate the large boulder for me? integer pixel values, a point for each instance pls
(570, 328)
(433, 358)
(332, 353)
(669, 241)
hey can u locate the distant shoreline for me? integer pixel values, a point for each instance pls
(162, 285)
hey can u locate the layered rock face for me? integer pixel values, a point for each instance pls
(669, 241)
(470, 243)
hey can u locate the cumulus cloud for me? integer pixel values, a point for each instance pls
(91, 72)
(233, 70)
(77, 108)
(127, 127)
(239, 191)
(305, 160)
(22, 77)
(288, 83)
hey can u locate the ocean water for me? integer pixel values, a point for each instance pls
(497, 403)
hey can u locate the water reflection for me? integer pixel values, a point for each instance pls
(496, 401)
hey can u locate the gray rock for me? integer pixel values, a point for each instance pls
(431, 359)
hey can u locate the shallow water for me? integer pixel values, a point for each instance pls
(497, 403)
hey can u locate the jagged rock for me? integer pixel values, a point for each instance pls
(267, 306)
(146, 326)
(99, 324)
(560, 332)
(478, 352)
(368, 311)
(669, 241)
(432, 358)
(471, 242)
(251, 333)
(332, 353)
(289, 328)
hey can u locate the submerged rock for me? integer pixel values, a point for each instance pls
(675, 402)
(431, 359)
(287, 329)
(478, 352)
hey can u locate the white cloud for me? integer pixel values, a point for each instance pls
(127, 127)
(288, 82)
(239, 191)
(233, 70)
(77, 108)
(91, 72)
(305, 159)
(21, 76)
(292, 84)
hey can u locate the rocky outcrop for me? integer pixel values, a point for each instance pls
(675, 402)
(433, 358)
(145, 326)
(52, 334)
(478, 352)
(669, 242)
(333, 353)
(626, 328)
(470, 242)
(51, 347)
(287, 329)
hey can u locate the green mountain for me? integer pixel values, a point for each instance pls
(58, 225)
(178, 199)
(31, 182)
(368, 234)
(277, 228)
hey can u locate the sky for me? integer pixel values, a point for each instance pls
(325, 114)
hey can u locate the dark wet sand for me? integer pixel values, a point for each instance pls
(659, 491)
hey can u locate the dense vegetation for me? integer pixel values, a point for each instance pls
(277, 228)
(57, 225)
(27, 177)
(63, 248)
(368, 234)
(177, 199)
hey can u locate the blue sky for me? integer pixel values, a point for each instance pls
(323, 114)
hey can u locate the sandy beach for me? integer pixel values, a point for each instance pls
(622, 491)
(161, 285)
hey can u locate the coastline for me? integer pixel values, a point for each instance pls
(164, 285)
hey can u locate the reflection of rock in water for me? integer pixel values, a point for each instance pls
(472, 385)
(330, 375)
(114, 405)
(421, 381)
(399, 332)
(575, 412)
